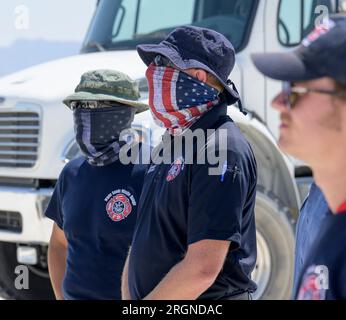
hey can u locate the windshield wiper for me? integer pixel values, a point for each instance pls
(95, 44)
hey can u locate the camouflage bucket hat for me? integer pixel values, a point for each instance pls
(107, 85)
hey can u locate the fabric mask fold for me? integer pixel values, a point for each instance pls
(97, 132)
(176, 99)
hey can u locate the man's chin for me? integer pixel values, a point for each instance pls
(285, 144)
(290, 148)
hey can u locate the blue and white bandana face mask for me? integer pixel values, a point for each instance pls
(98, 130)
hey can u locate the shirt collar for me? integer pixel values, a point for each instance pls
(341, 208)
(209, 119)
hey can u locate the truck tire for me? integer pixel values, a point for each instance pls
(275, 249)
(39, 286)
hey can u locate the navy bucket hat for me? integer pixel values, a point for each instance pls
(193, 47)
(321, 54)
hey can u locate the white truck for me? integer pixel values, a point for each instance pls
(36, 129)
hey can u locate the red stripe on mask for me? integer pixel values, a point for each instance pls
(166, 89)
(150, 76)
(167, 97)
(194, 111)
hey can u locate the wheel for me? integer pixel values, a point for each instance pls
(39, 283)
(275, 250)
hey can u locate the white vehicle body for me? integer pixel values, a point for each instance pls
(40, 90)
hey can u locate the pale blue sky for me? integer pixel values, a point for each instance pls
(55, 20)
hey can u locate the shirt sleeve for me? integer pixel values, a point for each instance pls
(54, 209)
(217, 202)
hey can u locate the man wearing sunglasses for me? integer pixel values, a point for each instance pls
(195, 235)
(94, 203)
(312, 109)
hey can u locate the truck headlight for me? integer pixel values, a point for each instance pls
(72, 151)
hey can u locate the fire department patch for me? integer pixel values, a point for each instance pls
(119, 204)
(314, 284)
(176, 168)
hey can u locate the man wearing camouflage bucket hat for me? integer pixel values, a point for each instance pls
(94, 203)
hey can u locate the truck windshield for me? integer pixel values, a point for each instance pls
(123, 24)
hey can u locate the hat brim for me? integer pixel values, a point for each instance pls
(283, 66)
(83, 96)
(147, 53)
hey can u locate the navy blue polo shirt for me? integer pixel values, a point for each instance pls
(182, 204)
(324, 274)
(96, 208)
(312, 213)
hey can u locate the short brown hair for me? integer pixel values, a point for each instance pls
(341, 87)
(214, 82)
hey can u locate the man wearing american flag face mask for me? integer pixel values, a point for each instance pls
(179, 98)
(195, 236)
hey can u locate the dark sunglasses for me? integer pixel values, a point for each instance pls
(292, 93)
(162, 61)
(90, 104)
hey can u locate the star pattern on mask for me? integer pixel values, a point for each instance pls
(192, 94)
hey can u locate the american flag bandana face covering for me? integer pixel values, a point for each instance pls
(98, 130)
(176, 99)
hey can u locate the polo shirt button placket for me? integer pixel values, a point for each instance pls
(158, 175)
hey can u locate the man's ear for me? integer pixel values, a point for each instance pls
(201, 75)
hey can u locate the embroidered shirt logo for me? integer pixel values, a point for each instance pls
(176, 167)
(314, 284)
(119, 204)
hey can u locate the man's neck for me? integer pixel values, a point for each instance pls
(332, 180)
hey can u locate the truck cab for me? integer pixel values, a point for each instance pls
(37, 138)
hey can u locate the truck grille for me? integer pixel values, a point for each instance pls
(10, 221)
(19, 133)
